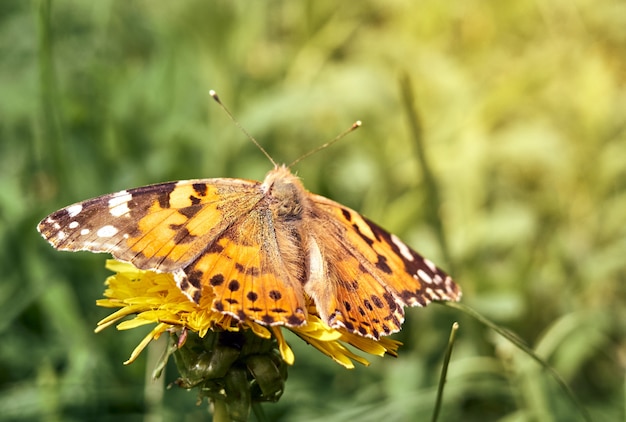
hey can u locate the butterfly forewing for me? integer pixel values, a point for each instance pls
(160, 227)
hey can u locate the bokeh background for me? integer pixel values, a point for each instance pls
(523, 112)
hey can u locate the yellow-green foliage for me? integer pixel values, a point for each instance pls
(523, 111)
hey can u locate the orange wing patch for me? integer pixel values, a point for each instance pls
(176, 227)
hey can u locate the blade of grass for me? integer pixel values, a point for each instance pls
(433, 204)
(526, 349)
(50, 130)
(444, 371)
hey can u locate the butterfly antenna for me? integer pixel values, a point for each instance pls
(354, 127)
(217, 100)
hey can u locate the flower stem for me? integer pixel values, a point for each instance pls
(220, 411)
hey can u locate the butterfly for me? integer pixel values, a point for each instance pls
(261, 248)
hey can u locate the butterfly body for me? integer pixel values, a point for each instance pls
(262, 247)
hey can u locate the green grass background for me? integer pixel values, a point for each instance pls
(523, 109)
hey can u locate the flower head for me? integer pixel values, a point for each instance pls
(233, 363)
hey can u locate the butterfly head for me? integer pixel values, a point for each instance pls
(286, 192)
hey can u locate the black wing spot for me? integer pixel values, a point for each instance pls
(377, 302)
(164, 194)
(381, 264)
(368, 305)
(200, 188)
(215, 248)
(346, 214)
(252, 296)
(234, 285)
(216, 280)
(184, 284)
(194, 277)
(294, 320)
(275, 294)
(253, 271)
(190, 211)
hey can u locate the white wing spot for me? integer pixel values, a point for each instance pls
(431, 294)
(448, 283)
(107, 231)
(404, 249)
(84, 232)
(73, 225)
(118, 204)
(430, 265)
(61, 235)
(54, 223)
(74, 210)
(424, 276)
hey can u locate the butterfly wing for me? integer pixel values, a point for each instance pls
(160, 227)
(213, 233)
(372, 275)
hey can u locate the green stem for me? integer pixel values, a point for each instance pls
(220, 411)
(444, 371)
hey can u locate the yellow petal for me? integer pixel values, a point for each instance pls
(285, 350)
(154, 334)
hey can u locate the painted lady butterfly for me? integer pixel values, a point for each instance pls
(261, 247)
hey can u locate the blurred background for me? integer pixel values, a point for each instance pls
(523, 112)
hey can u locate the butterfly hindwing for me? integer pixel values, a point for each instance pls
(249, 276)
